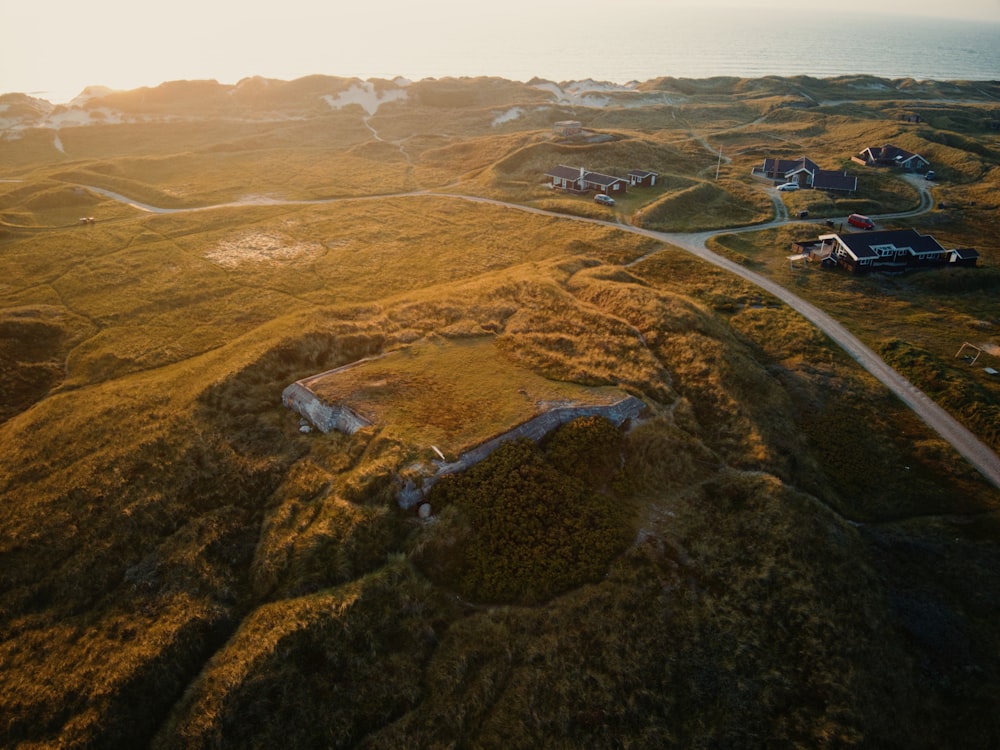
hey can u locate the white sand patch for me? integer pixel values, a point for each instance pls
(77, 117)
(511, 114)
(9, 126)
(67, 118)
(261, 247)
(597, 102)
(601, 94)
(57, 142)
(364, 95)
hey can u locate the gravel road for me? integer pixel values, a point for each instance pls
(961, 439)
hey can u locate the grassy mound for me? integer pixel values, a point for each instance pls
(706, 205)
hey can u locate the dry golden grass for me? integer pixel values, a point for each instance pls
(706, 205)
(449, 394)
(180, 566)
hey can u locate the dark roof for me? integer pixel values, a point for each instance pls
(597, 178)
(966, 253)
(784, 166)
(642, 173)
(564, 173)
(861, 243)
(805, 244)
(803, 163)
(890, 153)
(896, 153)
(826, 179)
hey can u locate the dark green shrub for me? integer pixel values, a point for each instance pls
(521, 527)
(589, 448)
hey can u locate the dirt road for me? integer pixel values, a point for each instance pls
(961, 439)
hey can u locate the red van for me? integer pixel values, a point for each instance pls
(857, 220)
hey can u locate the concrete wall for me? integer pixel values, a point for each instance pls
(629, 407)
(325, 417)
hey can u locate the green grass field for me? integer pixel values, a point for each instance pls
(778, 554)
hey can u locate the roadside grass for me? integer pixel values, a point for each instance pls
(932, 312)
(968, 393)
(706, 205)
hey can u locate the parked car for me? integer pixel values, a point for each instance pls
(929, 175)
(788, 186)
(803, 214)
(604, 200)
(863, 222)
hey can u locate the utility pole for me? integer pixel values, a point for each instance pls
(719, 165)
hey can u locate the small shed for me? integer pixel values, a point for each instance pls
(963, 256)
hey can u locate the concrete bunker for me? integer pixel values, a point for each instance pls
(453, 400)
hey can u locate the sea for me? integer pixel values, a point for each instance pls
(662, 42)
(564, 41)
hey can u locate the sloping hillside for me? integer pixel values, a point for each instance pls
(777, 553)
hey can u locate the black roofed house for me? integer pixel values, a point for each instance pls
(578, 179)
(642, 178)
(891, 156)
(807, 174)
(567, 178)
(790, 170)
(828, 179)
(889, 250)
(605, 183)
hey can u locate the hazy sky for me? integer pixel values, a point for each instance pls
(56, 47)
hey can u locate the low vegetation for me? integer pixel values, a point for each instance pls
(522, 525)
(777, 553)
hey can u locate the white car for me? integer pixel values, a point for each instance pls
(788, 186)
(603, 199)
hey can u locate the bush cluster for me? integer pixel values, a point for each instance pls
(530, 521)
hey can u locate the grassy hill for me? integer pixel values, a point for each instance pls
(778, 553)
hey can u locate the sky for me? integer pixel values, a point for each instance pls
(54, 48)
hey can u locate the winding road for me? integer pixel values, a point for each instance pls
(959, 437)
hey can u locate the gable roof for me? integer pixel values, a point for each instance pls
(563, 172)
(966, 253)
(863, 244)
(890, 153)
(826, 179)
(596, 178)
(641, 173)
(786, 166)
(575, 174)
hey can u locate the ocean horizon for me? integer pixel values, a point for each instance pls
(616, 47)
(746, 44)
